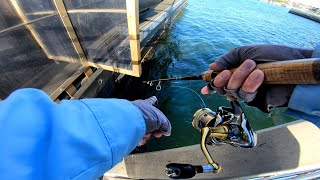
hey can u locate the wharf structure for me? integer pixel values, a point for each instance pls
(71, 49)
(305, 14)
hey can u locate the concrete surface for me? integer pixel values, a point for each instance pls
(287, 147)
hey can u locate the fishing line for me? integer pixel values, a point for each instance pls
(204, 105)
(158, 88)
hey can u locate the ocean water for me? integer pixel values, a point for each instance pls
(203, 31)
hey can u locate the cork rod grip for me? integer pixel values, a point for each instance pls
(302, 71)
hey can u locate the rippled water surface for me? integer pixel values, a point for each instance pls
(205, 30)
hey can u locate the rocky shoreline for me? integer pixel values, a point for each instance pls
(303, 10)
(296, 5)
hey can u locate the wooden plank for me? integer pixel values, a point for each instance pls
(113, 69)
(57, 101)
(69, 28)
(88, 73)
(67, 82)
(134, 35)
(29, 27)
(87, 84)
(71, 90)
(102, 66)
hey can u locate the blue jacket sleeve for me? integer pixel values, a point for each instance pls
(76, 139)
(305, 103)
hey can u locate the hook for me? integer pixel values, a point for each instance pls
(150, 83)
(158, 87)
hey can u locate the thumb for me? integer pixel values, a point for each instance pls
(152, 100)
(158, 122)
(165, 127)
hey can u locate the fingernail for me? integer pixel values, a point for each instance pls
(205, 90)
(257, 75)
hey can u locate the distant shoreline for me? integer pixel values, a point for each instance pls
(293, 5)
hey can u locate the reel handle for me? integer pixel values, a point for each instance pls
(185, 171)
(181, 171)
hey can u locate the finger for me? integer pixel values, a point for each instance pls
(142, 142)
(147, 136)
(166, 129)
(166, 133)
(221, 80)
(240, 74)
(152, 100)
(165, 125)
(215, 67)
(253, 82)
(205, 90)
(157, 134)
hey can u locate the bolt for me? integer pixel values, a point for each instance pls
(100, 81)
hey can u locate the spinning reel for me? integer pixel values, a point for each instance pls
(228, 125)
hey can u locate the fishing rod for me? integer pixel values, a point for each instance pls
(195, 77)
(300, 71)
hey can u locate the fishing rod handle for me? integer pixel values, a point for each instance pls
(301, 71)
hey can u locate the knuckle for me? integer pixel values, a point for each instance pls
(248, 87)
(222, 79)
(253, 82)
